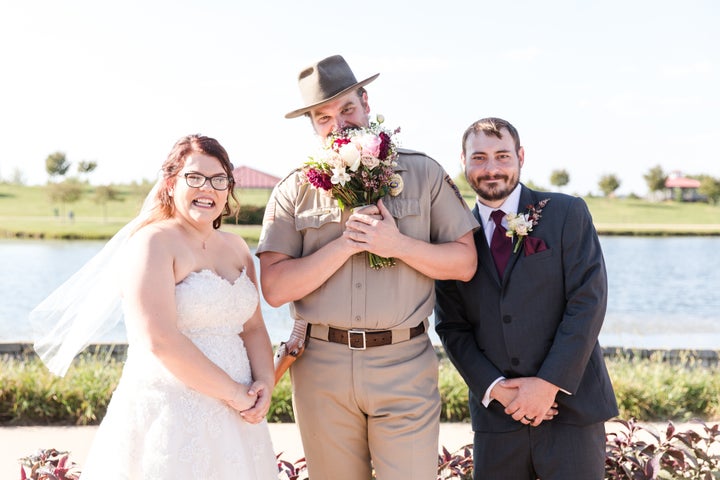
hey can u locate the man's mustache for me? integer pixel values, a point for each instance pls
(493, 177)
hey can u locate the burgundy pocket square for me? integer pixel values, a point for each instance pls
(534, 245)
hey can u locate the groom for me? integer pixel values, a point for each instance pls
(523, 331)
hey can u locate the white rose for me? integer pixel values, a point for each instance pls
(350, 156)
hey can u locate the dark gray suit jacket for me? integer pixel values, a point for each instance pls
(542, 319)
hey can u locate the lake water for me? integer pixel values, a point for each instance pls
(663, 292)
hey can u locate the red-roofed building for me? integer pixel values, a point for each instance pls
(246, 177)
(682, 188)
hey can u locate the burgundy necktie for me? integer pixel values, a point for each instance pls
(500, 244)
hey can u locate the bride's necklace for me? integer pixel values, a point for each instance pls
(203, 241)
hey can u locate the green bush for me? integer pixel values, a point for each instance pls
(246, 215)
(453, 394)
(30, 395)
(649, 389)
(654, 389)
(281, 405)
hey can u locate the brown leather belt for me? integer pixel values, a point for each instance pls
(362, 339)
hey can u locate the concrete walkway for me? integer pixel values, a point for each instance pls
(17, 442)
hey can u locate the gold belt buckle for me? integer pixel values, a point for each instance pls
(357, 332)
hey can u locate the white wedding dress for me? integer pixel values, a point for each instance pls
(158, 428)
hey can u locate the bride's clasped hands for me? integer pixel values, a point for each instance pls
(253, 403)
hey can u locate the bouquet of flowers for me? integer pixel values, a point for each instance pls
(355, 166)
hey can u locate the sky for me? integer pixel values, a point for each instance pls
(594, 87)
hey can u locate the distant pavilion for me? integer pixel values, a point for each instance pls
(246, 177)
(682, 188)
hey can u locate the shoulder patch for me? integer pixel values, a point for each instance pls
(452, 185)
(269, 215)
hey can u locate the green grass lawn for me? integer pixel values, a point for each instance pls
(642, 212)
(27, 211)
(633, 216)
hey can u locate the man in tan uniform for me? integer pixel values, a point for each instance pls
(365, 389)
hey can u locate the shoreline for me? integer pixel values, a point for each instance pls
(619, 230)
(251, 233)
(707, 357)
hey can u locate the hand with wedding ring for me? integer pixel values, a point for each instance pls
(534, 402)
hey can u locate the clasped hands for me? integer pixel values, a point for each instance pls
(372, 228)
(528, 400)
(252, 402)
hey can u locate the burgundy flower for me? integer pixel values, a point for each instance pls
(319, 179)
(384, 145)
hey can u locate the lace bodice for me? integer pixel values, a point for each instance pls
(208, 304)
(211, 311)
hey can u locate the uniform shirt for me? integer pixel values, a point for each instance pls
(300, 219)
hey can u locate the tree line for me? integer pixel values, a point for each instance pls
(655, 179)
(65, 189)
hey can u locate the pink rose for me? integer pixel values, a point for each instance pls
(370, 162)
(370, 144)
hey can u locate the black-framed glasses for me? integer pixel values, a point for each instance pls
(197, 180)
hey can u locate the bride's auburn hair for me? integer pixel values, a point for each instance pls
(164, 206)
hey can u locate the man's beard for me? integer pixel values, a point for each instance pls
(493, 192)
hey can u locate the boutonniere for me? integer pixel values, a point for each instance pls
(521, 224)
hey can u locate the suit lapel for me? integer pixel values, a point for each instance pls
(527, 197)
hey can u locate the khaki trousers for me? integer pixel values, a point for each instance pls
(379, 405)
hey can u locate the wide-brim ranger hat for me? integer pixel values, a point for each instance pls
(324, 81)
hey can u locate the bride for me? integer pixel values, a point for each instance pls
(196, 386)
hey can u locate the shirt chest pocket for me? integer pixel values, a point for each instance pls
(408, 217)
(318, 226)
(403, 207)
(317, 217)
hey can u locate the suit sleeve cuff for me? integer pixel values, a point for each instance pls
(486, 399)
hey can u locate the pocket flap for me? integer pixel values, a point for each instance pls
(403, 207)
(317, 217)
